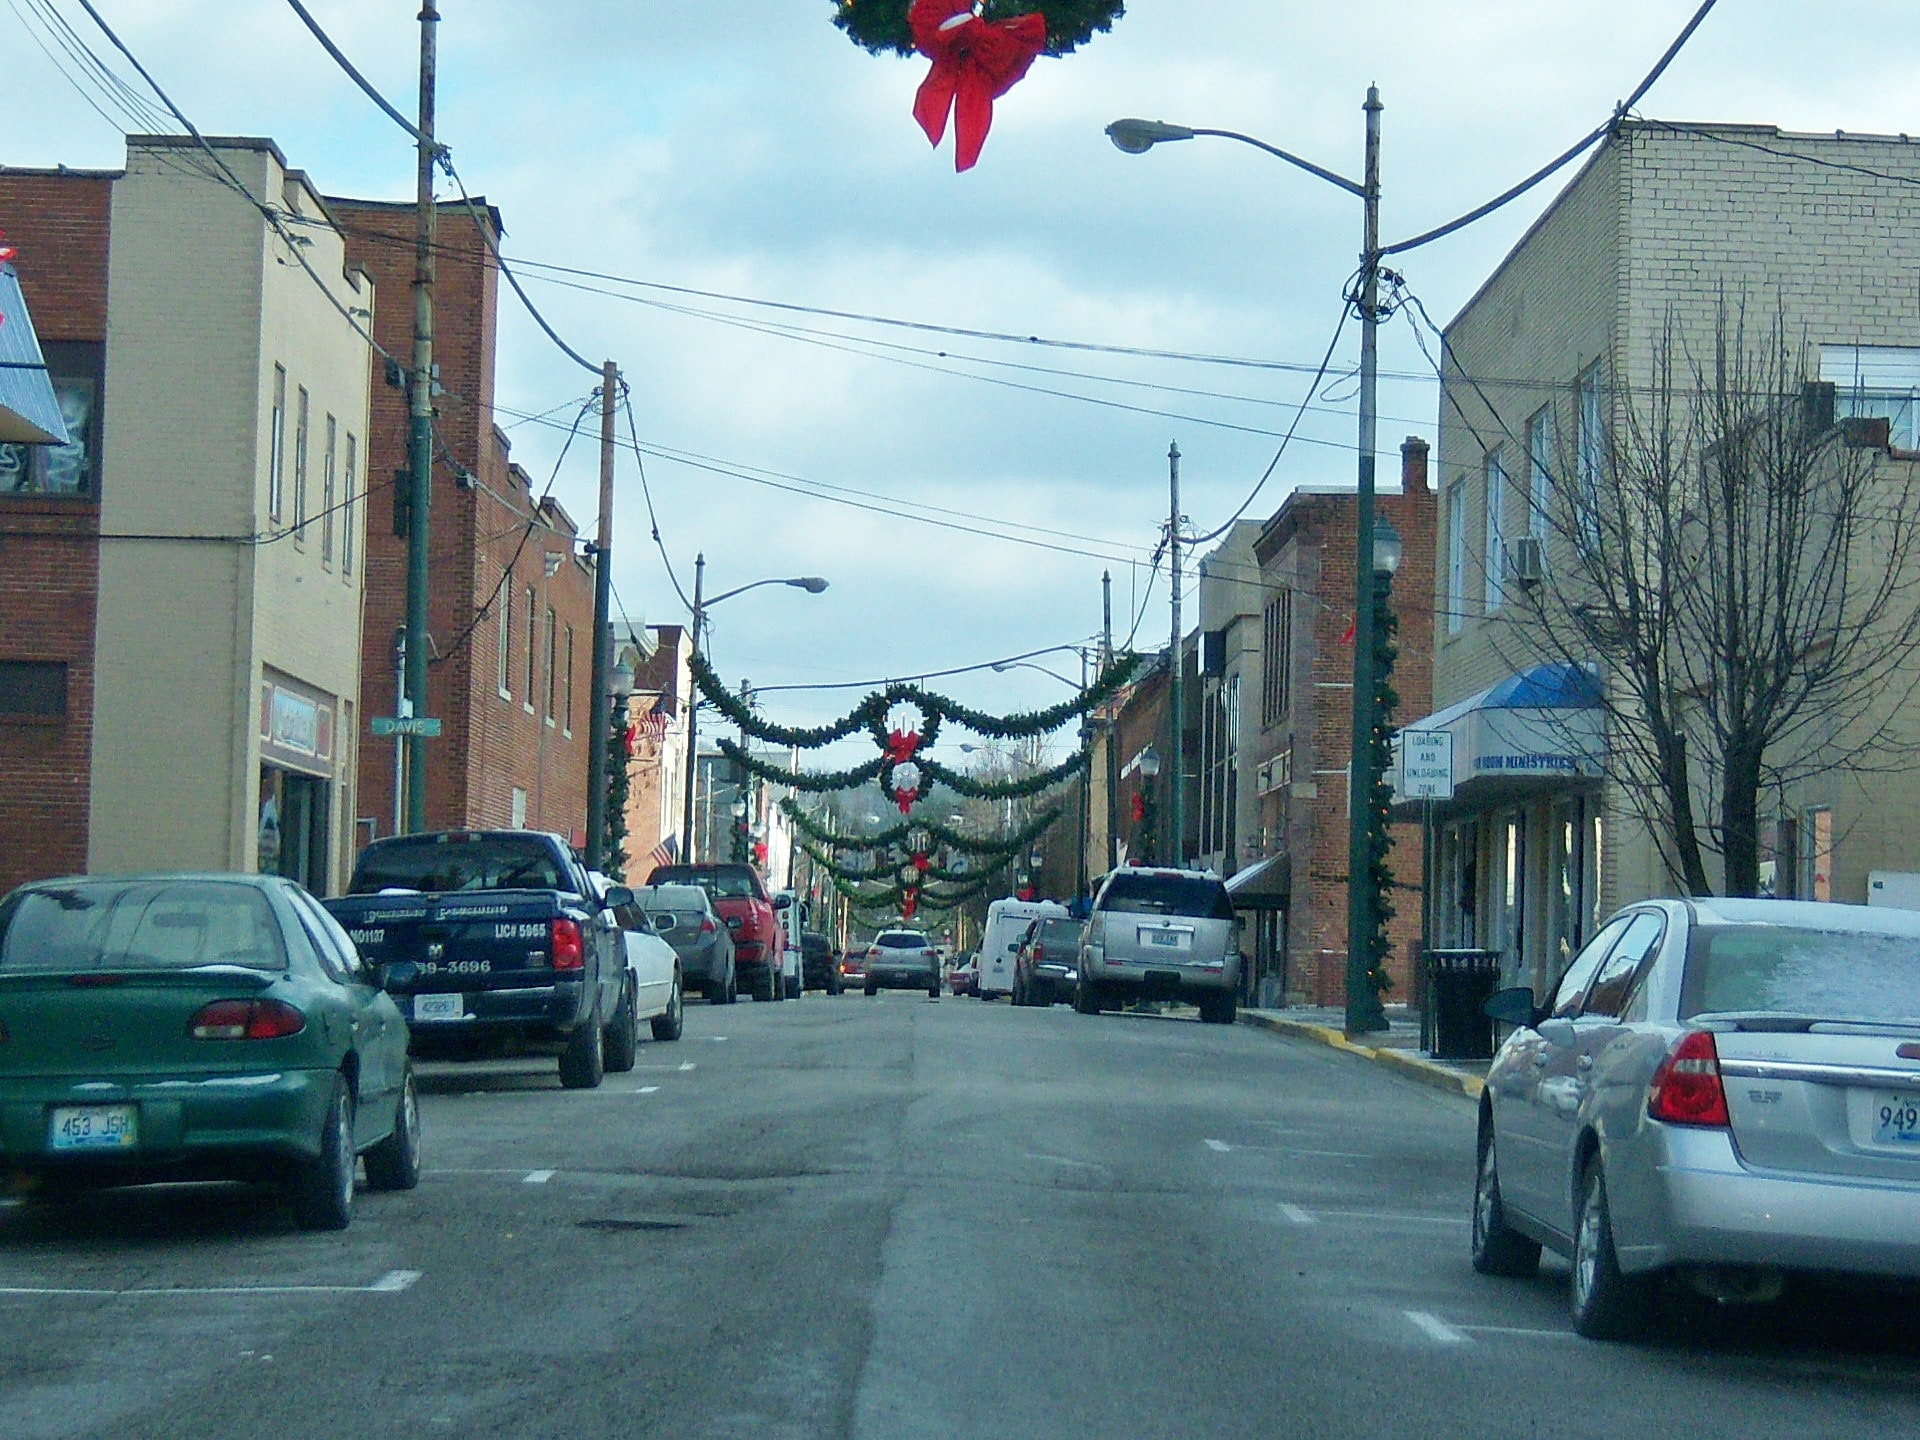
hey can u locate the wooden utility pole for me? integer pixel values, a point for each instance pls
(420, 425)
(1113, 724)
(600, 726)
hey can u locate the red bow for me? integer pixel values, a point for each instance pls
(921, 862)
(901, 745)
(909, 903)
(975, 62)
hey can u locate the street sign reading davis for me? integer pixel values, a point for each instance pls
(427, 725)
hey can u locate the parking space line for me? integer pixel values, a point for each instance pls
(1521, 1331)
(1325, 1154)
(688, 1065)
(1390, 1218)
(1296, 1216)
(538, 1177)
(648, 1090)
(1219, 1146)
(1434, 1328)
(391, 1283)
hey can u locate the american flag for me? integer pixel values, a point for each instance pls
(665, 853)
(653, 724)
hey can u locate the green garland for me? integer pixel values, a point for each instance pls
(990, 851)
(963, 784)
(880, 26)
(815, 782)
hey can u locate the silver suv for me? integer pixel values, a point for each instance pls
(1160, 935)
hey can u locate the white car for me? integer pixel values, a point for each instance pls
(653, 982)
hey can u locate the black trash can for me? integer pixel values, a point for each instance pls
(1458, 982)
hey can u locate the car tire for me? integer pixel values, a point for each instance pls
(834, 987)
(873, 990)
(1220, 1009)
(1085, 1001)
(1607, 1304)
(1498, 1249)
(394, 1164)
(933, 990)
(622, 1043)
(322, 1189)
(766, 989)
(669, 1023)
(583, 1064)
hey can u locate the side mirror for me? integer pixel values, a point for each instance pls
(401, 973)
(1512, 1006)
(1013, 948)
(616, 896)
(783, 902)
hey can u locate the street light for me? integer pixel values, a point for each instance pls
(812, 584)
(1364, 1013)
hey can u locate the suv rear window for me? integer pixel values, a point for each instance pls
(1193, 896)
(139, 925)
(1058, 932)
(1817, 974)
(901, 940)
(721, 882)
(441, 863)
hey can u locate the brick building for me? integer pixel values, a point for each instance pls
(511, 606)
(657, 766)
(1295, 764)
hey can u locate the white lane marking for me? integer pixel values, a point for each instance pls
(392, 1283)
(1219, 1146)
(718, 1039)
(647, 1090)
(1063, 1160)
(1389, 1218)
(538, 1177)
(1521, 1331)
(686, 1067)
(1298, 1216)
(1434, 1328)
(1326, 1154)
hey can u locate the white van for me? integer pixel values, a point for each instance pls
(1007, 921)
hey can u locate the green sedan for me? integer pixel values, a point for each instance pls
(197, 1027)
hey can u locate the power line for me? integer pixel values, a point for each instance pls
(326, 43)
(646, 489)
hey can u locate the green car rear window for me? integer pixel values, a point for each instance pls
(139, 926)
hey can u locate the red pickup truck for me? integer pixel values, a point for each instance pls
(740, 899)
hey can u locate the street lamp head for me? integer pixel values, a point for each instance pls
(1389, 550)
(1150, 762)
(1136, 137)
(621, 682)
(812, 584)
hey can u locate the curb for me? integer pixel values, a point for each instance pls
(1414, 1067)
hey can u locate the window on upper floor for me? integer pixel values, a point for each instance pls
(348, 505)
(553, 665)
(329, 459)
(277, 446)
(1539, 472)
(1276, 654)
(1496, 515)
(1456, 555)
(68, 469)
(533, 647)
(1882, 381)
(33, 689)
(302, 420)
(1592, 457)
(503, 616)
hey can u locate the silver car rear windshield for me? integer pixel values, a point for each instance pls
(1188, 895)
(138, 926)
(901, 940)
(1813, 974)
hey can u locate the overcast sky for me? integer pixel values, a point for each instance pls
(751, 150)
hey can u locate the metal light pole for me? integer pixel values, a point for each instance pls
(1363, 1012)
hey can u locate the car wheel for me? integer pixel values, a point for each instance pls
(873, 990)
(1607, 1305)
(1084, 1000)
(933, 991)
(622, 1043)
(720, 992)
(583, 1064)
(765, 989)
(1497, 1248)
(322, 1190)
(834, 987)
(668, 1025)
(394, 1164)
(1219, 1009)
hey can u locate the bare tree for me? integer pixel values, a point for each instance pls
(1743, 571)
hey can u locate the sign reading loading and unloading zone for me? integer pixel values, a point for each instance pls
(1426, 764)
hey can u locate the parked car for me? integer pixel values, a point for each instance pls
(1726, 1092)
(740, 897)
(495, 940)
(961, 977)
(198, 1027)
(853, 967)
(653, 973)
(1006, 923)
(903, 960)
(1047, 965)
(1156, 934)
(820, 962)
(684, 917)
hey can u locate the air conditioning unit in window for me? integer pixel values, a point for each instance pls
(1526, 560)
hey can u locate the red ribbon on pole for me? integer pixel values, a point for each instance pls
(975, 62)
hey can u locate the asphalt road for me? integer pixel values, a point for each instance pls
(889, 1219)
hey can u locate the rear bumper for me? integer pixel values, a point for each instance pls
(535, 1012)
(1165, 981)
(188, 1127)
(1713, 1209)
(902, 979)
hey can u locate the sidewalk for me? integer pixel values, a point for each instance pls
(1399, 1048)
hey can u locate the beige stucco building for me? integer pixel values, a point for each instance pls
(232, 524)
(1536, 843)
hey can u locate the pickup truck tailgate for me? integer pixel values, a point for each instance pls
(503, 941)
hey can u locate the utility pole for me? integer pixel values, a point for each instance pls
(1177, 782)
(420, 423)
(693, 714)
(1086, 788)
(1364, 1013)
(600, 723)
(1113, 724)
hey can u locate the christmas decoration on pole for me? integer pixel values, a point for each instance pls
(980, 50)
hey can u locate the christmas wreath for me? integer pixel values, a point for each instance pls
(880, 26)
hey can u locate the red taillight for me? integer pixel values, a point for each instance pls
(1039, 953)
(246, 1020)
(1686, 1089)
(707, 927)
(568, 953)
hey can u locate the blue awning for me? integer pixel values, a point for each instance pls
(29, 413)
(1541, 726)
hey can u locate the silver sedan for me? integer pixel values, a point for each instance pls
(1724, 1092)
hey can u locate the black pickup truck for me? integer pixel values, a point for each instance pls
(491, 941)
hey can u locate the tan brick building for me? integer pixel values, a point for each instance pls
(1661, 221)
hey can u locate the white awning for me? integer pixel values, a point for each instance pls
(29, 413)
(1543, 724)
